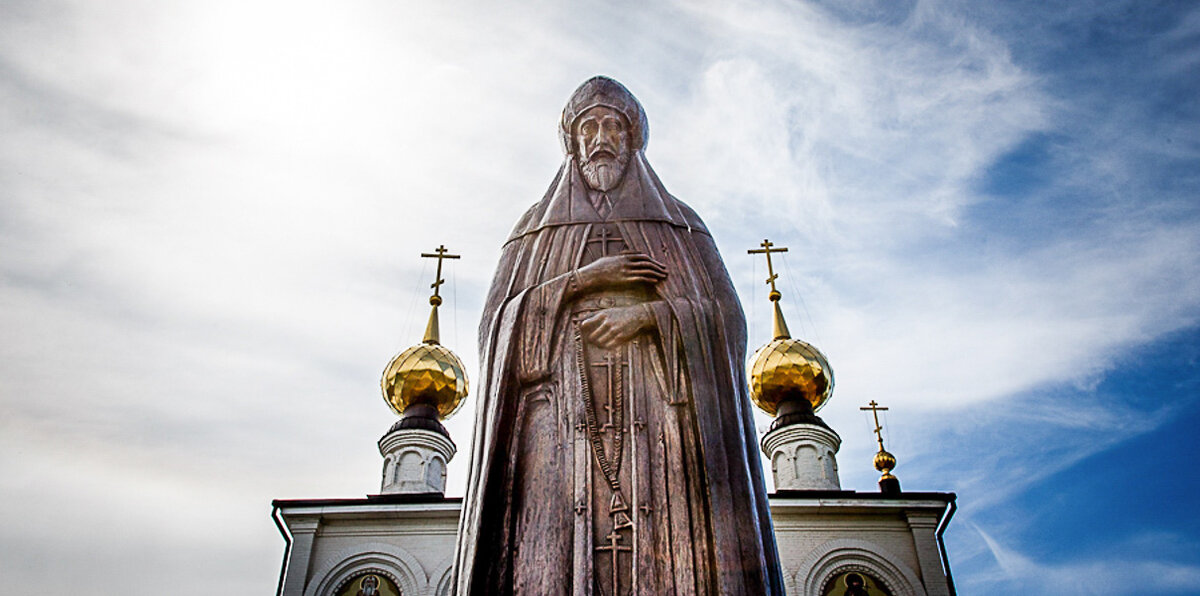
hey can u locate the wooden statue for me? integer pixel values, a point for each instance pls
(614, 449)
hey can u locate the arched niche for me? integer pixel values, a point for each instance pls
(387, 560)
(369, 582)
(837, 557)
(854, 582)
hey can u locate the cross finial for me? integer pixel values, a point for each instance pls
(439, 254)
(771, 275)
(875, 409)
(779, 326)
(431, 329)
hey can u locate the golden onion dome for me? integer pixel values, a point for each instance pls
(788, 367)
(885, 462)
(426, 373)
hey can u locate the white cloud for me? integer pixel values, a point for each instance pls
(1133, 575)
(211, 215)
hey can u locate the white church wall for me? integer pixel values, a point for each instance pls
(893, 540)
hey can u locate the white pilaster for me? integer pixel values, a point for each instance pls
(924, 528)
(303, 531)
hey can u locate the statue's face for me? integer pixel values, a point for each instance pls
(602, 140)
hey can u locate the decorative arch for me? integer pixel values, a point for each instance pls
(837, 556)
(388, 471)
(410, 466)
(344, 586)
(385, 559)
(435, 471)
(440, 578)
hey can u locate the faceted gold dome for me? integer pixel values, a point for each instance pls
(426, 373)
(786, 367)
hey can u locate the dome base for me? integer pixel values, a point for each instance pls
(414, 460)
(803, 457)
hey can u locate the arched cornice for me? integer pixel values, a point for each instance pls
(385, 559)
(439, 577)
(837, 556)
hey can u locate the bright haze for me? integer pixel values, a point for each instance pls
(211, 215)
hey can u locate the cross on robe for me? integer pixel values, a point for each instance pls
(609, 367)
(614, 547)
(605, 237)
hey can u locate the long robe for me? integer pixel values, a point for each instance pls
(537, 504)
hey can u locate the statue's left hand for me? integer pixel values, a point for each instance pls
(612, 327)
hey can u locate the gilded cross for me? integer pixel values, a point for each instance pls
(875, 408)
(771, 275)
(439, 254)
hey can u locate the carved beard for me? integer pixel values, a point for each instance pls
(603, 172)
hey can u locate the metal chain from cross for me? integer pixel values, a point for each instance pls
(439, 254)
(771, 275)
(875, 408)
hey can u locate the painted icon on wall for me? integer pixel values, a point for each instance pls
(854, 583)
(370, 584)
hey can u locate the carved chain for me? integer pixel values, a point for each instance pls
(610, 470)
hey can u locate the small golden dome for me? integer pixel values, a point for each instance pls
(885, 462)
(426, 373)
(786, 367)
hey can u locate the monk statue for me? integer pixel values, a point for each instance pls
(614, 449)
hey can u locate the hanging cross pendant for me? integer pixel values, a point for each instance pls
(614, 548)
(614, 403)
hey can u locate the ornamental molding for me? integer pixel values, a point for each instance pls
(797, 433)
(838, 556)
(397, 441)
(440, 578)
(374, 557)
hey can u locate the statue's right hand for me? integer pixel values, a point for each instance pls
(622, 269)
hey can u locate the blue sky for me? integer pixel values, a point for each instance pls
(210, 216)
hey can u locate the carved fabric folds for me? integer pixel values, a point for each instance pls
(525, 336)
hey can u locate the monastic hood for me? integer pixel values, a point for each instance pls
(640, 196)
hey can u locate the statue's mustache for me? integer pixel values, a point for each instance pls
(602, 151)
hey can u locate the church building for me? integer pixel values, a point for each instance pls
(402, 541)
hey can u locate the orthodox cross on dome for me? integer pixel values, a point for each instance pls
(431, 330)
(875, 408)
(771, 275)
(884, 462)
(439, 254)
(780, 330)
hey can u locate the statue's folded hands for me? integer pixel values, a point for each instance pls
(619, 270)
(612, 327)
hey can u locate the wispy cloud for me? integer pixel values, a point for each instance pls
(1019, 572)
(210, 213)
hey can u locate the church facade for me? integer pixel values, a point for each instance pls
(831, 541)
